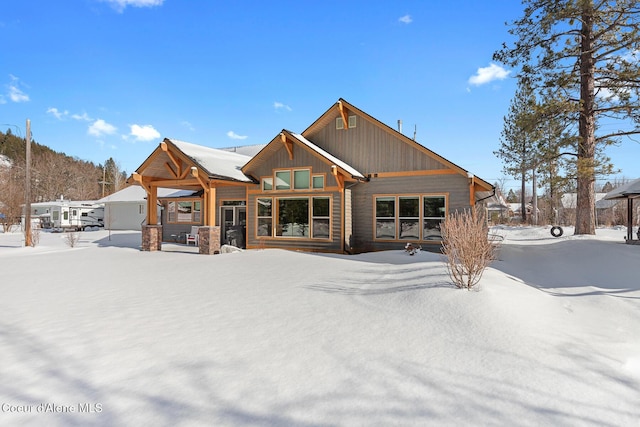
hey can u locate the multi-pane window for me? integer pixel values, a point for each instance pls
(409, 217)
(293, 179)
(302, 217)
(267, 184)
(401, 216)
(385, 217)
(434, 213)
(265, 217)
(321, 218)
(184, 211)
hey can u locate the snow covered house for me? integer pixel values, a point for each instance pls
(348, 183)
(126, 209)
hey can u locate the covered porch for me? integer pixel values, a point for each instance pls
(185, 166)
(630, 192)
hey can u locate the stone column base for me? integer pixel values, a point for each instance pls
(209, 240)
(151, 237)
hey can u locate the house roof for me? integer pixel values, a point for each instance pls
(341, 105)
(135, 193)
(217, 163)
(627, 191)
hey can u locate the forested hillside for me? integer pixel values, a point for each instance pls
(52, 174)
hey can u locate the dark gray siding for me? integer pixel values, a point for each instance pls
(372, 149)
(454, 186)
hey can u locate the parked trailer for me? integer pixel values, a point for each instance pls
(76, 217)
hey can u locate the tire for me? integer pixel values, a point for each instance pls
(556, 231)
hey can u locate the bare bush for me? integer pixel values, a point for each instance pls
(35, 236)
(467, 247)
(72, 238)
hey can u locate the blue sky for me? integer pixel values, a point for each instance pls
(111, 78)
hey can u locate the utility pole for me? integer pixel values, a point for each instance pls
(27, 189)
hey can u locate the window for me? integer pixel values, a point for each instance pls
(409, 216)
(321, 218)
(339, 123)
(301, 179)
(318, 182)
(352, 122)
(434, 213)
(283, 180)
(293, 217)
(385, 217)
(184, 211)
(265, 218)
(267, 184)
(400, 217)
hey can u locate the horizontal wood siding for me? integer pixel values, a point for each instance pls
(348, 220)
(371, 149)
(455, 186)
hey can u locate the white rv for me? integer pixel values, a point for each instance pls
(76, 216)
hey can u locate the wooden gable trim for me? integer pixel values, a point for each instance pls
(288, 144)
(344, 113)
(341, 105)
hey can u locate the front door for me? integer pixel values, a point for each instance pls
(234, 223)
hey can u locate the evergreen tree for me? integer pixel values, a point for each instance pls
(587, 53)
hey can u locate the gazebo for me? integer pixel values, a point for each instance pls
(629, 191)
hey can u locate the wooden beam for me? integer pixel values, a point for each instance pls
(472, 191)
(176, 183)
(174, 160)
(344, 114)
(140, 180)
(210, 208)
(339, 177)
(170, 169)
(196, 175)
(152, 207)
(288, 144)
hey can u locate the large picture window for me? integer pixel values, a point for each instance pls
(403, 217)
(301, 217)
(293, 217)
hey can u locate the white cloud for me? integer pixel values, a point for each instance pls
(57, 113)
(231, 134)
(406, 19)
(82, 116)
(488, 74)
(280, 106)
(100, 127)
(15, 93)
(121, 5)
(144, 133)
(188, 125)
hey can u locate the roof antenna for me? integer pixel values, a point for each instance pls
(415, 130)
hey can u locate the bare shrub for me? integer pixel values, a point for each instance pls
(35, 236)
(72, 238)
(467, 247)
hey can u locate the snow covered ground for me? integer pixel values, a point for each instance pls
(103, 335)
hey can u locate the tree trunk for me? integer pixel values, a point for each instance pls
(585, 204)
(523, 205)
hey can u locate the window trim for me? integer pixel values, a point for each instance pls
(397, 218)
(275, 207)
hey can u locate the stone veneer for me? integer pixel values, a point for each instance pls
(209, 240)
(151, 237)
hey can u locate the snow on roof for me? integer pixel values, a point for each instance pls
(135, 193)
(630, 189)
(570, 200)
(216, 162)
(327, 156)
(246, 150)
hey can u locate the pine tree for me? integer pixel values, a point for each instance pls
(587, 53)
